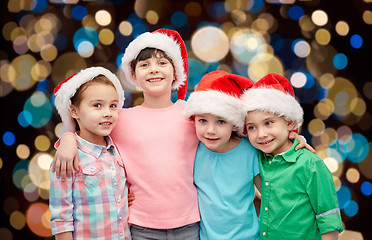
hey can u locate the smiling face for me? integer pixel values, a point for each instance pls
(96, 112)
(215, 132)
(154, 73)
(268, 132)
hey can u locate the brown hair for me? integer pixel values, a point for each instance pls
(147, 53)
(76, 99)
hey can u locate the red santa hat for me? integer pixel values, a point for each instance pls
(274, 94)
(67, 89)
(218, 93)
(171, 43)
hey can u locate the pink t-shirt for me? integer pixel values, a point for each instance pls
(158, 148)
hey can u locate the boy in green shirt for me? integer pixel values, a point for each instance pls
(298, 198)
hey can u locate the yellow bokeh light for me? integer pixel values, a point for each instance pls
(332, 164)
(326, 80)
(23, 151)
(358, 106)
(103, 17)
(306, 24)
(152, 17)
(39, 170)
(210, 44)
(367, 17)
(319, 17)
(352, 175)
(323, 109)
(48, 52)
(264, 64)
(193, 9)
(42, 143)
(322, 36)
(17, 220)
(342, 28)
(106, 36)
(41, 70)
(125, 28)
(316, 127)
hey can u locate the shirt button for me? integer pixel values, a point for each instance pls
(121, 234)
(115, 183)
(266, 208)
(92, 170)
(267, 183)
(264, 233)
(120, 217)
(118, 200)
(112, 168)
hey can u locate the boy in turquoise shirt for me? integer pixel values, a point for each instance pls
(298, 198)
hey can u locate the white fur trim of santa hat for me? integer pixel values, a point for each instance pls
(273, 101)
(67, 89)
(158, 40)
(217, 103)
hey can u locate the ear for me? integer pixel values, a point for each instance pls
(290, 125)
(235, 128)
(73, 112)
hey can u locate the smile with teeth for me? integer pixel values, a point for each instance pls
(105, 123)
(154, 79)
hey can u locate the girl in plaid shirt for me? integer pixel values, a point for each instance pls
(93, 203)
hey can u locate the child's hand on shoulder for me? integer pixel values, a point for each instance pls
(302, 142)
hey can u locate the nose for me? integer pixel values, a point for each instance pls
(261, 133)
(153, 68)
(107, 112)
(211, 129)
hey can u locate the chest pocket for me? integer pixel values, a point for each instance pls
(92, 175)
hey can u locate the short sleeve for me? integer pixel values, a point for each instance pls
(61, 204)
(323, 197)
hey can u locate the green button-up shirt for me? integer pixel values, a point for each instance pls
(298, 199)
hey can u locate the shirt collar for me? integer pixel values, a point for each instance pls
(288, 156)
(91, 148)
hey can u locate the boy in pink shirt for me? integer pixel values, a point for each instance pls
(156, 142)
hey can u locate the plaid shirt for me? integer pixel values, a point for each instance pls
(93, 203)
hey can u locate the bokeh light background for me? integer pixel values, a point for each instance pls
(323, 47)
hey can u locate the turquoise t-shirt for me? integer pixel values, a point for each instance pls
(226, 191)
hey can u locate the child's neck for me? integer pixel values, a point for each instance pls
(157, 101)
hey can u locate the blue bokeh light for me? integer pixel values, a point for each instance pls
(358, 148)
(79, 12)
(179, 19)
(351, 208)
(85, 34)
(366, 188)
(9, 138)
(24, 118)
(356, 41)
(340, 61)
(343, 195)
(295, 12)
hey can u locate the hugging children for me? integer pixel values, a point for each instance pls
(298, 198)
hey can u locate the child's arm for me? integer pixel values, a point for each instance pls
(64, 236)
(258, 182)
(66, 156)
(61, 205)
(330, 235)
(302, 142)
(130, 198)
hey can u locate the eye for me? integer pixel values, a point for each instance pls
(251, 127)
(221, 121)
(113, 106)
(142, 64)
(97, 105)
(268, 123)
(202, 120)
